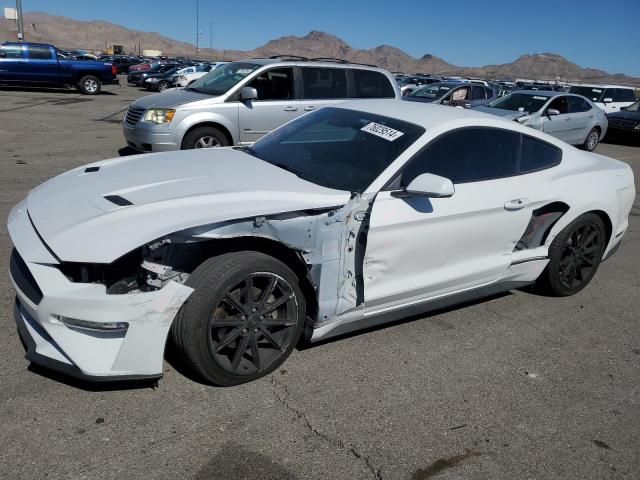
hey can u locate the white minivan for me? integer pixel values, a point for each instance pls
(610, 98)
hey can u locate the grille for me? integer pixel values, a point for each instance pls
(23, 278)
(133, 115)
(118, 200)
(621, 122)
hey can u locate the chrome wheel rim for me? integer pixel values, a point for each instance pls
(252, 324)
(579, 257)
(90, 85)
(162, 87)
(592, 142)
(207, 142)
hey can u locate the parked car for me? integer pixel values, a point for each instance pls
(38, 64)
(346, 218)
(626, 121)
(137, 77)
(610, 98)
(454, 94)
(164, 80)
(412, 83)
(571, 118)
(122, 63)
(240, 102)
(186, 79)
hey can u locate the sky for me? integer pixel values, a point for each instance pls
(599, 34)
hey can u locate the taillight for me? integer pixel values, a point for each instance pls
(114, 70)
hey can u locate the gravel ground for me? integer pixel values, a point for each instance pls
(516, 387)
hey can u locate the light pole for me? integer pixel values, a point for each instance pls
(197, 27)
(20, 24)
(211, 40)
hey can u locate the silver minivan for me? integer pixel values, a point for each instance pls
(239, 102)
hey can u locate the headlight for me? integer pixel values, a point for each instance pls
(159, 115)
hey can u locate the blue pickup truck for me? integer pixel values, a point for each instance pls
(40, 64)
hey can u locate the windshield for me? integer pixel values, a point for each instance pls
(221, 79)
(337, 148)
(433, 91)
(633, 108)
(520, 102)
(592, 93)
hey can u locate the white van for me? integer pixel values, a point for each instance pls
(608, 97)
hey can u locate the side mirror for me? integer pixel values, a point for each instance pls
(248, 93)
(607, 100)
(430, 185)
(552, 111)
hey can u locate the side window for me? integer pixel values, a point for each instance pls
(467, 155)
(478, 93)
(560, 104)
(11, 51)
(624, 95)
(370, 84)
(538, 155)
(609, 93)
(276, 84)
(489, 92)
(578, 105)
(324, 83)
(37, 52)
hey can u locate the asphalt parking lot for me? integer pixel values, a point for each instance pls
(516, 387)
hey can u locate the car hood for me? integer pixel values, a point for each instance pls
(162, 193)
(409, 98)
(625, 115)
(501, 112)
(170, 99)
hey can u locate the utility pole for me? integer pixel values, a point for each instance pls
(211, 40)
(20, 24)
(197, 27)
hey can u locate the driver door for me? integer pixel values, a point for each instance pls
(420, 248)
(277, 103)
(560, 126)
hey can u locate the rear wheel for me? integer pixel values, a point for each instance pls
(575, 256)
(243, 319)
(205, 137)
(89, 85)
(591, 142)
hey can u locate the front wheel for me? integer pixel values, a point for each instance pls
(243, 319)
(574, 256)
(89, 85)
(592, 140)
(162, 86)
(205, 137)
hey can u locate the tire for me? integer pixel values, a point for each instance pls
(204, 137)
(592, 140)
(220, 333)
(89, 85)
(162, 86)
(574, 256)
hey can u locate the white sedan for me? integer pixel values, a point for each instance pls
(185, 79)
(348, 217)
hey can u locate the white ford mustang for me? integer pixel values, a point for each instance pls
(345, 218)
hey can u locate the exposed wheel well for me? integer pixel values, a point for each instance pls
(290, 257)
(220, 127)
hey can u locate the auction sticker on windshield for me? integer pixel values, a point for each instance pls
(382, 131)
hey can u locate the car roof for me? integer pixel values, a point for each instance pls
(426, 115)
(310, 62)
(602, 86)
(542, 93)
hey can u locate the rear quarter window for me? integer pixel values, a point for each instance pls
(371, 84)
(538, 155)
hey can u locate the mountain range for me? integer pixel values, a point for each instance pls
(94, 35)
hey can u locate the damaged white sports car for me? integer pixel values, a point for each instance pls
(345, 218)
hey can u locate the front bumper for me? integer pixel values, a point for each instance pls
(146, 138)
(45, 298)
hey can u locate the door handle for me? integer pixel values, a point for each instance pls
(308, 108)
(568, 119)
(591, 116)
(516, 204)
(467, 105)
(290, 108)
